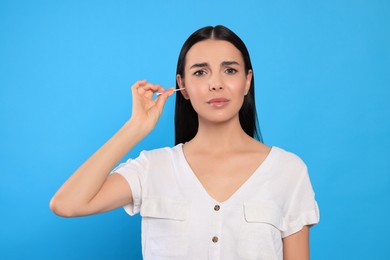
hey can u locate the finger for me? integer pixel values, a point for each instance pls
(161, 99)
(150, 89)
(138, 84)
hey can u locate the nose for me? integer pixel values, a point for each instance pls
(215, 83)
(215, 87)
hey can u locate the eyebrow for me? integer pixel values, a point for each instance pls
(199, 65)
(229, 63)
(205, 64)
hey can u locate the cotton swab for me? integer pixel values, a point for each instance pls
(159, 93)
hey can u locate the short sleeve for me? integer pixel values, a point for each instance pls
(134, 172)
(302, 207)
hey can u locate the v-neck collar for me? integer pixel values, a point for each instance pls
(261, 168)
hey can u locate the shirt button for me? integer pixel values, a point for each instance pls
(216, 207)
(215, 239)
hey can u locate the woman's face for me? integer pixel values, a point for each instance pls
(215, 80)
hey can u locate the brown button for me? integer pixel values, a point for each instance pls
(215, 239)
(216, 207)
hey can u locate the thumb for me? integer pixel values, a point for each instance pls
(160, 102)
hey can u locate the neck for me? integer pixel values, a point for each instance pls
(220, 136)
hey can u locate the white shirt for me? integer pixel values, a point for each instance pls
(180, 220)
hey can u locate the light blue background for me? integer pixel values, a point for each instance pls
(322, 71)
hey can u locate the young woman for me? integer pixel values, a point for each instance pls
(219, 193)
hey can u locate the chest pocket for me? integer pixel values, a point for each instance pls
(260, 236)
(164, 223)
(164, 208)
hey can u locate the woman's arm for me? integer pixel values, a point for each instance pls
(296, 246)
(90, 189)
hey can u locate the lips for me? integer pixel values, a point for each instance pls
(218, 102)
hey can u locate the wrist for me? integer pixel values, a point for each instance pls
(136, 128)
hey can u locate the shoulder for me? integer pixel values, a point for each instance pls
(287, 157)
(287, 163)
(150, 159)
(161, 152)
(159, 155)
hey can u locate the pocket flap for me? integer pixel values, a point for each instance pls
(261, 213)
(164, 208)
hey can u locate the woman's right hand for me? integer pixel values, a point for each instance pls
(146, 111)
(91, 189)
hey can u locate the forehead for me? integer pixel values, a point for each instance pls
(213, 51)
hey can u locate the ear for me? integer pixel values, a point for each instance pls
(248, 81)
(180, 82)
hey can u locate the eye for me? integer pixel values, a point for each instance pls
(199, 73)
(230, 71)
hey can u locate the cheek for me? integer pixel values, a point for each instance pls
(196, 88)
(238, 87)
(193, 93)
